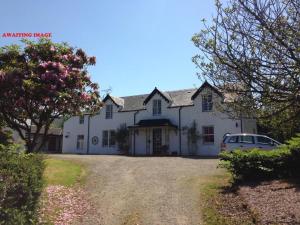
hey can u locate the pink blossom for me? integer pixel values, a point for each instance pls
(44, 64)
(85, 96)
(52, 48)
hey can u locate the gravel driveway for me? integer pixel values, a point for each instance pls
(145, 190)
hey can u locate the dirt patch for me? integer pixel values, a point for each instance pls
(269, 202)
(62, 205)
(232, 206)
(275, 202)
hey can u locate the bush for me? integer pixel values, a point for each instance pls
(283, 162)
(21, 184)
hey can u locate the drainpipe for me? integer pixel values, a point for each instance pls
(134, 122)
(179, 125)
(88, 136)
(241, 125)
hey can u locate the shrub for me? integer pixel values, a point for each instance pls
(122, 138)
(20, 185)
(283, 162)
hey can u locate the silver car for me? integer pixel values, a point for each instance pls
(247, 141)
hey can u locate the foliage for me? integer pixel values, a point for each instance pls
(252, 48)
(122, 138)
(62, 172)
(20, 187)
(5, 135)
(43, 81)
(283, 162)
(193, 137)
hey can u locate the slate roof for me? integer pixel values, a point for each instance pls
(177, 98)
(52, 130)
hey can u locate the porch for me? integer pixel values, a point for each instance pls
(154, 137)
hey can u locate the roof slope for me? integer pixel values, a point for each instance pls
(178, 98)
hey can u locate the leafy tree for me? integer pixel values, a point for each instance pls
(251, 47)
(41, 81)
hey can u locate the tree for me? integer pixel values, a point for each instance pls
(40, 82)
(252, 48)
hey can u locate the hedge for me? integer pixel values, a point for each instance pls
(283, 162)
(21, 184)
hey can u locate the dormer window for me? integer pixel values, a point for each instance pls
(109, 111)
(207, 103)
(156, 107)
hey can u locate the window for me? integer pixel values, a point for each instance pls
(264, 140)
(112, 138)
(156, 107)
(246, 139)
(108, 138)
(81, 119)
(105, 138)
(233, 139)
(207, 103)
(80, 142)
(109, 112)
(208, 135)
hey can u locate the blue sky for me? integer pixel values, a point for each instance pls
(138, 44)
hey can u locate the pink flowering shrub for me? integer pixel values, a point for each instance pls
(43, 81)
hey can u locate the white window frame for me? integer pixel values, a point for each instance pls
(207, 102)
(112, 138)
(105, 135)
(208, 134)
(109, 111)
(80, 142)
(156, 107)
(110, 135)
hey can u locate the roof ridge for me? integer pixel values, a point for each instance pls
(186, 89)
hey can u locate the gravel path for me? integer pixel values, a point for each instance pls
(145, 190)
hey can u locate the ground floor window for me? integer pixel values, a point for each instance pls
(80, 142)
(108, 138)
(208, 135)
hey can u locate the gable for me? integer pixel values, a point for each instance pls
(206, 85)
(117, 101)
(165, 96)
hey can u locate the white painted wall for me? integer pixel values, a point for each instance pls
(222, 125)
(72, 128)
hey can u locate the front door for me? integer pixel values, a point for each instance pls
(157, 141)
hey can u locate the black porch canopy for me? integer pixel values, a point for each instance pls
(154, 123)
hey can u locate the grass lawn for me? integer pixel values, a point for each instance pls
(63, 172)
(210, 193)
(60, 191)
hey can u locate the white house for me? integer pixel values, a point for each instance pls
(182, 122)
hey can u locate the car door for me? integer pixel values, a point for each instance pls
(232, 143)
(246, 142)
(264, 143)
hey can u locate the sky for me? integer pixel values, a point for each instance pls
(138, 44)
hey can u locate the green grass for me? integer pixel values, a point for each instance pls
(63, 172)
(210, 192)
